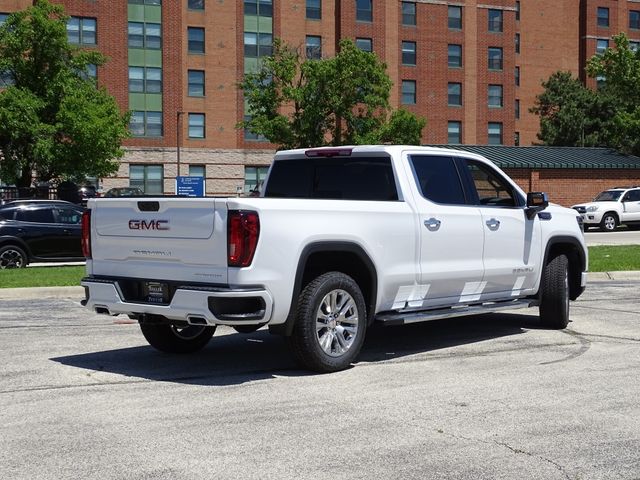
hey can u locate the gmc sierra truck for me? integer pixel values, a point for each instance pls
(338, 239)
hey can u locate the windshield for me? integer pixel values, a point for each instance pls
(608, 196)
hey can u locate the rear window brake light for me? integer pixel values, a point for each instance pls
(328, 152)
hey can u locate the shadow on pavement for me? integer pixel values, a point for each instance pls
(238, 358)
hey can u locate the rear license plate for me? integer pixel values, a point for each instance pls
(156, 292)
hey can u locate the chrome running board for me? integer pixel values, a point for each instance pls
(403, 318)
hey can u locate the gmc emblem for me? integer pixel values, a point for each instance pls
(148, 224)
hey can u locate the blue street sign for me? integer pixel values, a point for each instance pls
(190, 186)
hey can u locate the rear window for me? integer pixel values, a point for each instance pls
(353, 178)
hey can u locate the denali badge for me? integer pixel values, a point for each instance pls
(148, 224)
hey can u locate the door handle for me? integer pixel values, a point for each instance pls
(433, 224)
(493, 224)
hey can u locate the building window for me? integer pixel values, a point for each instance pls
(314, 47)
(494, 133)
(409, 14)
(314, 9)
(634, 19)
(145, 2)
(495, 58)
(146, 124)
(257, 44)
(81, 31)
(196, 83)
(633, 46)
(408, 53)
(145, 35)
(517, 109)
(408, 92)
(455, 56)
(196, 4)
(3, 18)
(197, 171)
(517, 43)
(516, 139)
(145, 80)
(495, 96)
(250, 136)
(600, 81)
(517, 11)
(148, 178)
(196, 125)
(603, 17)
(454, 133)
(6, 79)
(601, 46)
(495, 20)
(253, 178)
(454, 94)
(364, 44)
(196, 39)
(455, 18)
(263, 8)
(517, 76)
(364, 10)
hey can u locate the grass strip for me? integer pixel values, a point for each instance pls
(608, 258)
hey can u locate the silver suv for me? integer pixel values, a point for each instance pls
(613, 207)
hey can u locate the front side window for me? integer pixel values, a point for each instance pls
(409, 14)
(364, 10)
(36, 215)
(632, 196)
(494, 132)
(148, 178)
(495, 96)
(438, 179)
(634, 19)
(495, 20)
(454, 132)
(408, 92)
(454, 15)
(196, 83)
(408, 53)
(492, 189)
(314, 47)
(196, 125)
(195, 39)
(495, 58)
(314, 9)
(364, 44)
(454, 91)
(81, 30)
(603, 17)
(454, 53)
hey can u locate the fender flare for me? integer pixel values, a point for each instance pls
(574, 242)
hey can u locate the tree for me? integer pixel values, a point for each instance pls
(571, 114)
(54, 121)
(341, 100)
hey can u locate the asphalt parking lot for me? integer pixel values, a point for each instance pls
(485, 397)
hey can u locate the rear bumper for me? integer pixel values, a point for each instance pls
(197, 305)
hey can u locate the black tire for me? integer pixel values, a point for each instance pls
(342, 342)
(554, 293)
(246, 328)
(172, 339)
(609, 222)
(12, 256)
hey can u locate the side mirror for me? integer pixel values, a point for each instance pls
(536, 202)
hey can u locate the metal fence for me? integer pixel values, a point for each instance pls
(14, 193)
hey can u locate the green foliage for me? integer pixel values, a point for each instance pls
(53, 121)
(573, 115)
(341, 100)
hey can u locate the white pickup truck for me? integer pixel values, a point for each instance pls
(338, 239)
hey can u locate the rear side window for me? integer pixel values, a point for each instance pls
(353, 178)
(438, 179)
(40, 215)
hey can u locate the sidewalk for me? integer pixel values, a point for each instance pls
(78, 292)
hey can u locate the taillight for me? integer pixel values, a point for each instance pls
(243, 230)
(86, 234)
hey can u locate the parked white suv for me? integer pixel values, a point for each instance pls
(617, 206)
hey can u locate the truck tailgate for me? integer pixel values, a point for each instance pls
(181, 239)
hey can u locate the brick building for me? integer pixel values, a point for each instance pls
(471, 68)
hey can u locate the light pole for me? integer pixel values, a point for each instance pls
(178, 141)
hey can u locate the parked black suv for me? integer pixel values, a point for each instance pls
(39, 232)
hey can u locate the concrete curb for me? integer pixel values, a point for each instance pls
(78, 292)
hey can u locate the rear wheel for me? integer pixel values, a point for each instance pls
(554, 293)
(174, 339)
(12, 256)
(330, 323)
(609, 222)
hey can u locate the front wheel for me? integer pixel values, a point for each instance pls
(330, 323)
(174, 339)
(12, 257)
(554, 293)
(609, 222)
